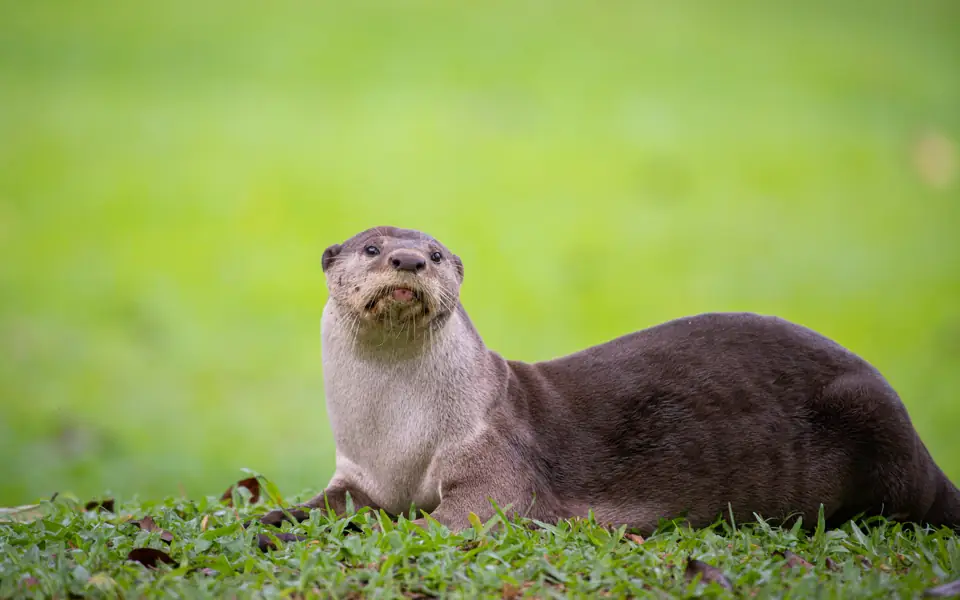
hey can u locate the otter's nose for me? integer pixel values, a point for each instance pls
(407, 260)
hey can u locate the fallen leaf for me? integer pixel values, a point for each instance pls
(265, 542)
(21, 514)
(278, 516)
(149, 557)
(203, 522)
(104, 505)
(636, 539)
(832, 564)
(947, 590)
(147, 524)
(250, 483)
(792, 560)
(512, 592)
(708, 573)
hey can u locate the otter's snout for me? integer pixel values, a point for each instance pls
(407, 260)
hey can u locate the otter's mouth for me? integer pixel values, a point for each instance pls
(396, 294)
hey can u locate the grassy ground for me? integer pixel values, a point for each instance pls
(59, 549)
(170, 174)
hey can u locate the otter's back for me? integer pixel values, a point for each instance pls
(715, 404)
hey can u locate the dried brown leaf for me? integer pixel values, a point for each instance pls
(22, 514)
(104, 505)
(832, 564)
(792, 560)
(265, 542)
(204, 522)
(147, 524)
(947, 590)
(636, 539)
(708, 573)
(278, 516)
(513, 592)
(250, 483)
(149, 557)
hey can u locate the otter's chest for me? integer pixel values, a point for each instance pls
(388, 425)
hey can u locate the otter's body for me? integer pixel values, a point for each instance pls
(692, 418)
(714, 409)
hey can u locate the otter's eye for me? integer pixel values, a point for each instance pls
(372, 250)
(436, 257)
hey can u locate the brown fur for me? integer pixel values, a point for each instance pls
(691, 418)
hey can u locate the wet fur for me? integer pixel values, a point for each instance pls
(692, 418)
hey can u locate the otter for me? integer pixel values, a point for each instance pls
(698, 418)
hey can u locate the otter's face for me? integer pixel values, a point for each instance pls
(389, 278)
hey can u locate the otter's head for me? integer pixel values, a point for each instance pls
(391, 279)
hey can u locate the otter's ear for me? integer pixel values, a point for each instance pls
(459, 264)
(329, 255)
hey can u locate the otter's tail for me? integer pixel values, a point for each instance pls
(946, 505)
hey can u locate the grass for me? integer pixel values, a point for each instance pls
(59, 549)
(170, 175)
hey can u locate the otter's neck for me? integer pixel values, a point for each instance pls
(437, 386)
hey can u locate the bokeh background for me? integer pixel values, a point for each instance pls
(170, 173)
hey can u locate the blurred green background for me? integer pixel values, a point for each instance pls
(171, 172)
